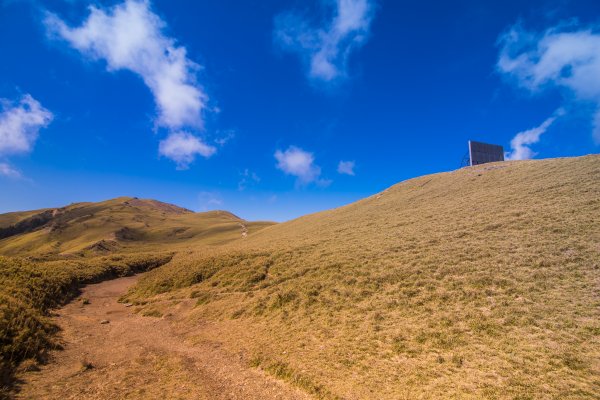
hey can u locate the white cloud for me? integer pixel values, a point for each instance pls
(129, 36)
(325, 50)
(561, 57)
(20, 124)
(299, 163)
(9, 172)
(346, 167)
(182, 147)
(519, 145)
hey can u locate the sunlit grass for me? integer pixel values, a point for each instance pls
(481, 282)
(119, 225)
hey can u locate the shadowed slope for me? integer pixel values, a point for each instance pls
(12, 218)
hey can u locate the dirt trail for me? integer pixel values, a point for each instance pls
(134, 357)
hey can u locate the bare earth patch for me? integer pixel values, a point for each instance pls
(135, 356)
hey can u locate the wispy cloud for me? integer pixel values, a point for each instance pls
(129, 36)
(20, 123)
(566, 57)
(346, 168)
(182, 147)
(224, 137)
(520, 144)
(8, 171)
(325, 49)
(248, 178)
(209, 200)
(299, 163)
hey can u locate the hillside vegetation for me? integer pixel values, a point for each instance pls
(46, 255)
(118, 225)
(478, 283)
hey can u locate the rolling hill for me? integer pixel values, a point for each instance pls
(123, 224)
(478, 283)
(46, 255)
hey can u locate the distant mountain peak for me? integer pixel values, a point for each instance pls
(116, 224)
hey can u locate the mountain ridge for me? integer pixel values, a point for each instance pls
(113, 224)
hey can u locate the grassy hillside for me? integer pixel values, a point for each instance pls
(478, 283)
(46, 255)
(12, 218)
(123, 224)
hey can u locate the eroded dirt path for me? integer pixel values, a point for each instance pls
(137, 357)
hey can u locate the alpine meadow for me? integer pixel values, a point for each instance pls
(329, 199)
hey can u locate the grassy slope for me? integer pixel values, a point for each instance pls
(147, 224)
(14, 217)
(126, 235)
(482, 282)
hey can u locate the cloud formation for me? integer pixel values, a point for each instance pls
(566, 57)
(129, 36)
(8, 171)
(182, 147)
(325, 50)
(20, 123)
(346, 168)
(519, 145)
(299, 163)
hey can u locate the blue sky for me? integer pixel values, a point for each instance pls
(273, 109)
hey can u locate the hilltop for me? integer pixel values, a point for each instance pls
(476, 283)
(122, 224)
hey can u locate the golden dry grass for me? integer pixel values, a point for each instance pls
(120, 225)
(478, 283)
(48, 254)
